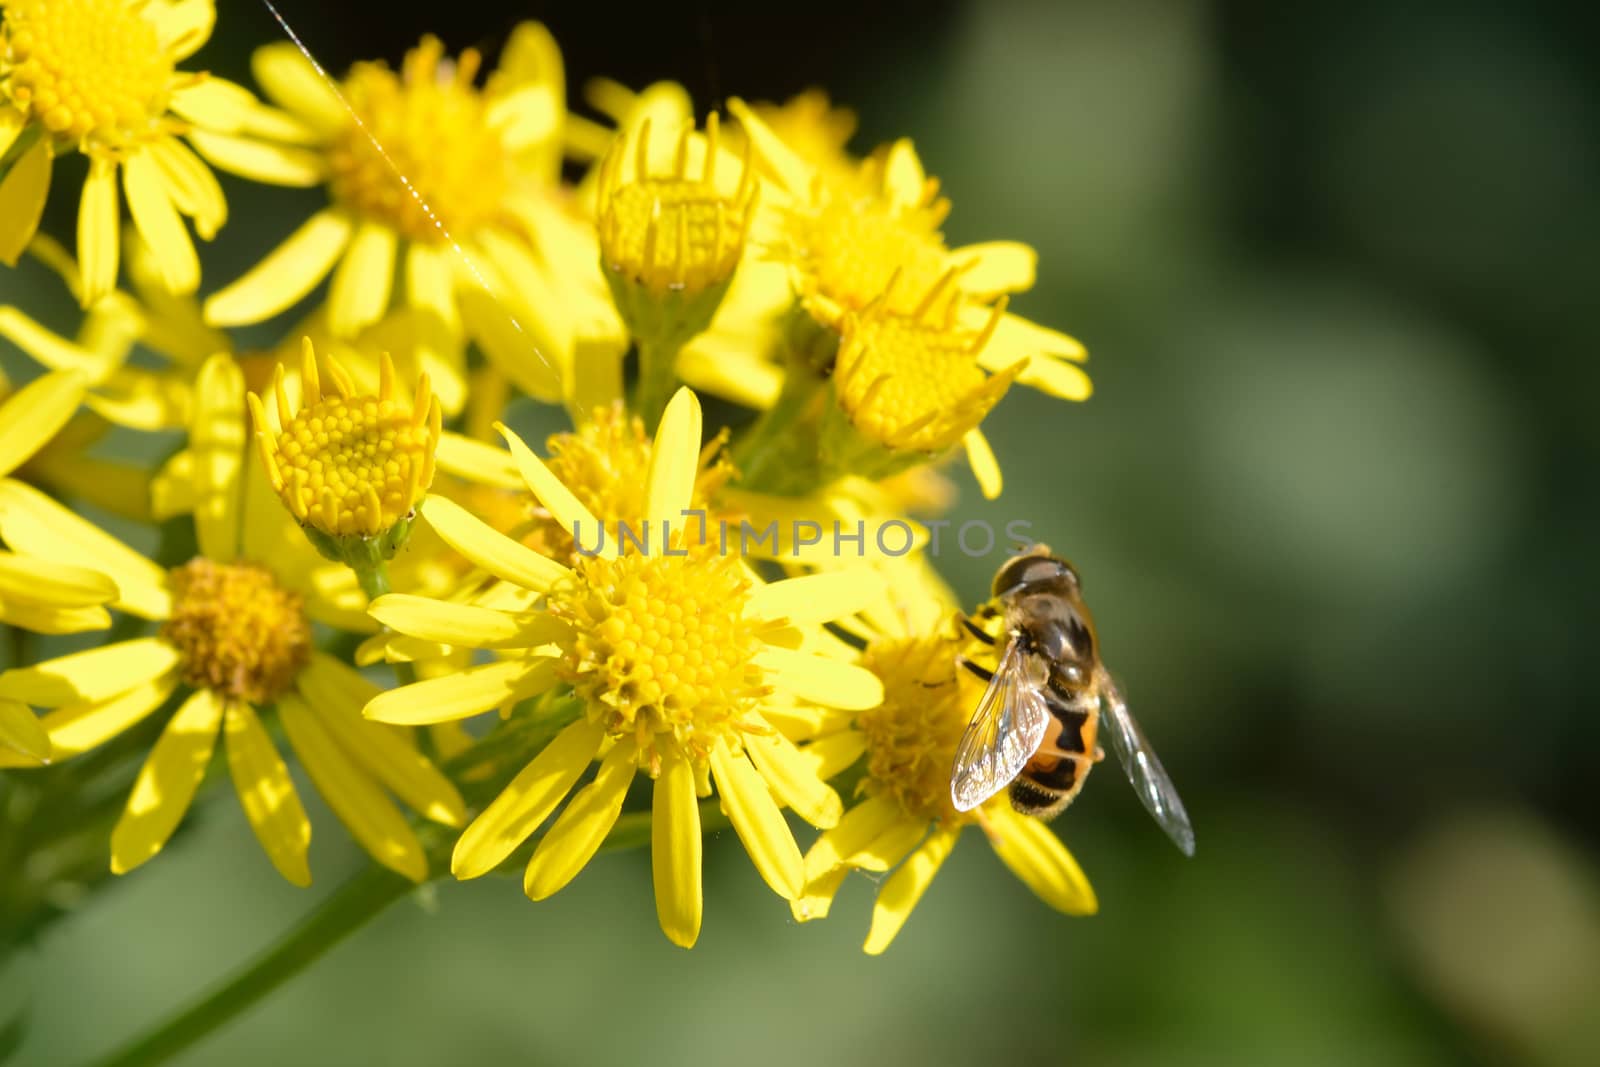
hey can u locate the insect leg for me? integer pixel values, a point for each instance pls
(983, 673)
(976, 631)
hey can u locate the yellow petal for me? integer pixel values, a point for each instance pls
(31, 417)
(260, 160)
(31, 522)
(527, 801)
(488, 548)
(759, 822)
(728, 368)
(47, 620)
(577, 833)
(217, 444)
(817, 899)
(338, 694)
(815, 598)
(857, 829)
(525, 117)
(21, 731)
(985, 468)
(1039, 859)
(77, 728)
(288, 273)
(92, 675)
(98, 231)
(52, 350)
(674, 460)
(267, 794)
(832, 754)
(828, 682)
(904, 179)
(48, 582)
(360, 291)
(792, 173)
(478, 462)
(995, 267)
(290, 81)
(167, 781)
(793, 779)
(182, 26)
(159, 223)
(366, 812)
(522, 347)
(675, 850)
(565, 507)
(466, 625)
(23, 192)
(465, 693)
(904, 888)
(886, 850)
(191, 185)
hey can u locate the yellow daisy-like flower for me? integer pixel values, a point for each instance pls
(449, 182)
(236, 634)
(348, 466)
(909, 387)
(101, 77)
(907, 824)
(670, 243)
(682, 659)
(816, 131)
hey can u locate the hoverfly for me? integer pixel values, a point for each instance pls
(1035, 728)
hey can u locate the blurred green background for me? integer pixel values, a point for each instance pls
(1334, 504)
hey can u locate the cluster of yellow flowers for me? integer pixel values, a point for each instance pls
(563, 627)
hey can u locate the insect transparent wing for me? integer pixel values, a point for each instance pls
(1006, 730)
(1149, 779)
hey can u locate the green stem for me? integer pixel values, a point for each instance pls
(349, 908)
(658, 376)
(374, 578)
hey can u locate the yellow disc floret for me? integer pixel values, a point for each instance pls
(846, 251)
(662, 652)
(912, 382)
(912, 736)
(240, 633)
(93, 71)
(675, 232)
(348, 465)
(434, 126)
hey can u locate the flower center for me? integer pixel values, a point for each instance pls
(846, 251)
(240, 633)
(672, 232)
(434, 128)
(913, 382)
(90, 69)
(348, 465)
(662, 651)
(912, 735)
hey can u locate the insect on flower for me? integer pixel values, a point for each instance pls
(1035, 728)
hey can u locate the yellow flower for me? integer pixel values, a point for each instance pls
(351, 469)
(675, 232)
(101, 77)
(452, 184)
(670, 243)
(678, 655)
(907, 388)
(873, 244)
(236, 635)
(906, 823)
